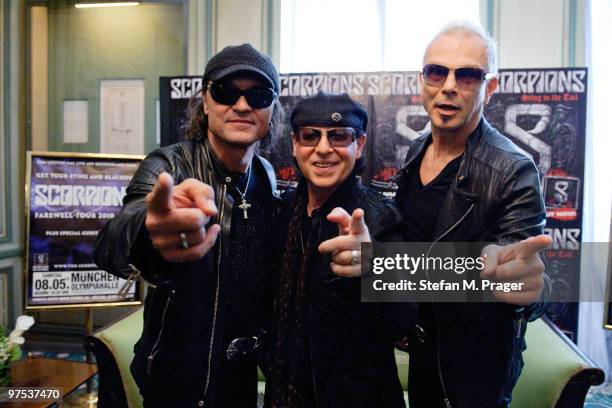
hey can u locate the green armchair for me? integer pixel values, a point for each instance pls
(113, 347)
(556, 373)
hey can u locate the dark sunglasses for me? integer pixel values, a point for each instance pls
(338, 137)
(435, 75)
(228, 94)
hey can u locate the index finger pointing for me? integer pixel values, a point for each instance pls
(531, 246)
(339, 216)
(358, 225)
(160, 199)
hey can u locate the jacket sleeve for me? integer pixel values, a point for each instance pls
(522, 212)
(523, 215)
(123, 247)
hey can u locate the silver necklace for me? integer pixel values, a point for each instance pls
(244, 206)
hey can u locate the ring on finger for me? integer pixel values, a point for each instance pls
(184, 243)
(355, 257)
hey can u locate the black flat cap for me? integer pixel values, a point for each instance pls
(324, 109)
(243, 58)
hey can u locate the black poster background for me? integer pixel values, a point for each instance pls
(174, 96)
(542, 110)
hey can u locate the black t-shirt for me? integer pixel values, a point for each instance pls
(420, 211)
(423, 203)
(248, 261)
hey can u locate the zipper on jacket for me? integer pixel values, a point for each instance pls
(314, 381)
(214, 322)
(519, 326)
(447, 403)
(155, 349)
(131, 279)
(316, 229)
(314, 386)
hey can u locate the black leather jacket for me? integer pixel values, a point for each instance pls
(180, 358)
(495, 197)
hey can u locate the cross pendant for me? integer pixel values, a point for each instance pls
(244, 206)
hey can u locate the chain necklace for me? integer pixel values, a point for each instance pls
(244, 206)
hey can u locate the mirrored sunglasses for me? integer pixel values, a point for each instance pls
(228, 94)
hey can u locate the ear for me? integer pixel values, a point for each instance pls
(204, 103)
(360, 145)
(491, 87)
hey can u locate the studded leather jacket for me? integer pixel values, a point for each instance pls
(180, 359)
(495, 197)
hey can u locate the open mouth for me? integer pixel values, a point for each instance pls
(324, 165)
(447, 107)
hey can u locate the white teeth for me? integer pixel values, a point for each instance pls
(323, 164)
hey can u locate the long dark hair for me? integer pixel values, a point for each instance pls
(197, 122)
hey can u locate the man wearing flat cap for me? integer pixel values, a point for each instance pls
(327, 349)
(195, 224)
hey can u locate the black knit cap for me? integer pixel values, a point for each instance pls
(324, 109)
(241, 58)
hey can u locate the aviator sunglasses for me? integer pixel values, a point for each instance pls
(228, 94)
(338, 137)
(466, 78)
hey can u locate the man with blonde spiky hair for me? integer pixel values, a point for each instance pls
(466, 182)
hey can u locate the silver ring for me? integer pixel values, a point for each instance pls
(354, 257)
(184, 243)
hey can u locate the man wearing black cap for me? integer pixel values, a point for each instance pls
(328, 349)
(196, 219)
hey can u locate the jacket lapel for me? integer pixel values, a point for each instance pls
(460, 197)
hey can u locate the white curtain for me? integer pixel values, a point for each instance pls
(592, 338)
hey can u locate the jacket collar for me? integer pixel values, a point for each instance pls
(474, 140)
(221, 173)
(216, 165)
(339, 197)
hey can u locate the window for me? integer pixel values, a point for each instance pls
(363, 35)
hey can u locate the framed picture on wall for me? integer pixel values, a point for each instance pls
(75, 121)
(122, 107)
(69, 199)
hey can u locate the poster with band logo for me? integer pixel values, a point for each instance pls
(174, 96)
(69, 199)
(543, 111)
(395, 118)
